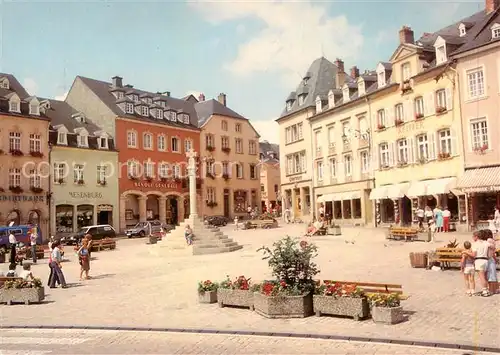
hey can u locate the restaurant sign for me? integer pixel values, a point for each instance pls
(156, 185)
(22, 198)
(295, 178)
(410, 127)
(86, 195)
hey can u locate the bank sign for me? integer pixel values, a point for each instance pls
(156, 185)
(22, 198)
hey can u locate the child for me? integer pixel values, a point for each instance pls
(432, 229)
(12, 270)
(492, 267)
(188, 234)
(26, 273)
(467, 268)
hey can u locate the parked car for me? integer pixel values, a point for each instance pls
(97, 232)
(217, 221)
(143, 229)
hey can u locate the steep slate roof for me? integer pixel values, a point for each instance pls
(205, 110)
(102, 90)
(480, 34)
(266, 147)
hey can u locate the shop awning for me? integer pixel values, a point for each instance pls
(417, 188)
(397, 190)
(324, 198)
(379, 193)
(441, 186)
(480, 180)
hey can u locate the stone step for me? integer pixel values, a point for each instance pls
(215, 244)
(216, 250)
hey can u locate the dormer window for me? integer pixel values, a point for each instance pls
(34, 107)
(302, 98)
(173, 116)
(4, 83)
(462, 30)
(80, 117)
(119, 95)
(102, 142)
(345, 94)
(381, 78)
(440, 47)
(406, 72)
(331, 99)
(495, 31)
(135, 97)
(15, 104)
(289, 104)
(159, 114)
(62, 138)
(83, 140)
(361, 88)
(186, 118)
(318, 104)
(145, 110)
(129, 107)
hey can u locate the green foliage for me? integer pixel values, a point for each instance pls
(34, 283)
(452, 244)
(206, 286)
(338, 290)
(388, 300)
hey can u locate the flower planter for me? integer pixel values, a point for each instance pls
(334, 230)
(207, 297)
(283, 306)
(238, 298)
(357, 308)
(418, 260)
(387, 315)
(22, 295)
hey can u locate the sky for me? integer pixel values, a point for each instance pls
(254, 51)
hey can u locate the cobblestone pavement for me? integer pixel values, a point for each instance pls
(134, 287)
(41, 342)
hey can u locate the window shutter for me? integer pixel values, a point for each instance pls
(449, 99)
(430, 109)
(411, 149)
(454, 142)
(391, 154)
(431, 136)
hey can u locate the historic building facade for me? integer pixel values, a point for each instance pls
(270, 177)
(83, 160)
(24, 157)
(152, 133)
(230, 159)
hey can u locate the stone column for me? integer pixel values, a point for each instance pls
(123, 221)
(303, 201)
(293, 206)
(94, 215)
(52, 218)
(162, 209)
(192, 184)
(180, 209)
(142, 208)
(352, 210)
(75, 218)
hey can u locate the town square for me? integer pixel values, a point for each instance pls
(266, 177)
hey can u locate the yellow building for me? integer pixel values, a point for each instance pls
(416, 133)
(230, 155)
(270, 177)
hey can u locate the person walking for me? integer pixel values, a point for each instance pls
(420, 216)
(446, 219)
(83, 256)
(56, 267)
(13, 245)
(33, 238)
(438, 218)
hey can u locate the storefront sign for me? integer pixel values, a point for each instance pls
(104, 208)
(295, 178)
(156, 185)
(22, 198)
(86, 195)
(410, 127)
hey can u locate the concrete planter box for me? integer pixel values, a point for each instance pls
(388, 315)
(207, 297)
(238, 298)
(334, 230)
(357, 308)
(283, 306)
(22, 295)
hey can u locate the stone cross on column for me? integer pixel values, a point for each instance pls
(191, 155)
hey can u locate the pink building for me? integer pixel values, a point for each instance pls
(478, 68)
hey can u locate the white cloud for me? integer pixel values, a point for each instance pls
(30, 85)
(268, 130)
(61, 97)
(241, 29)
(293, 35)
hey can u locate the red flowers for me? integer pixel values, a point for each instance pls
(268, 288)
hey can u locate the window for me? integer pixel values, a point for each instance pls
(293, 133)
(237, 127)
(348, 165)
(346, 129)
(445, 141)
(162, 143)
(252, 147)
(363, 126)
(224, 125)
(35, 143)
(175, 144)
(419, 107)
(224, 142)
(301, 99)
(423, 147)
(296, 163)
(479, 130)
(209, 140)
(399, 111)
(239, 145)
(145, 110)
(62, 138)
(34, 108)
(384, 155)
(147, 141)
(211, 194)
(210, 167)
(331, 137)
(239, 171)
(381, 78)
(102, 142)
(402, 151)
(381, 119)
(176, 170)
(59, 172)
(441, 54)
(135, 98)
(129, 107)
(159, 114)
(132, 168)
(319, 169)
(163, 170)
(333, 168)
(462, 30)
(225, 168)
(253, 171)
(289, 105)
(14, 105)
(35, 179)
(131, 139)
(78, 174)
(188, 145)
(317, 141)
(83, 140)
(495, 31)
(101, 174)
(14, 177)
(173, 115)
(441, 99)
(406, 71)
(14, 141)
(475, 83)
(149, 169)
(365, 162)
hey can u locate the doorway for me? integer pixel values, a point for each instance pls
(226, 203)
(172, 210)
(406, 215)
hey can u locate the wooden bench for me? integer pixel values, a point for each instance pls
(399, 233)
(103, 244)
(446, 256)
(370, 288)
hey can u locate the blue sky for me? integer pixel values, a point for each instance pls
(255, 52)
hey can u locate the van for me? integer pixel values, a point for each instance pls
(22, 234)
(97, 232)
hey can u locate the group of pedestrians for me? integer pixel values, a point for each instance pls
(437, 219)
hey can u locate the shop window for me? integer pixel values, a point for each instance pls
(84, 216)
(337, 209)
(387, 211)
(357, 208)
(64, 219)
(346, 209)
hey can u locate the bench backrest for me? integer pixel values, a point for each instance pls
(403, 230)
(368, 287)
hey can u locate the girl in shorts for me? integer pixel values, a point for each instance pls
(467, 268)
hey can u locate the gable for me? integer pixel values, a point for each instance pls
(440, 41)
(402, 52)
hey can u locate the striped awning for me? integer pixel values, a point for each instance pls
(397, 190)
(441, 186)
(480, 180)
(417, 188)
(379, 193)
(324, 198)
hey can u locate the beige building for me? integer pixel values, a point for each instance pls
(270, 177)
(229, 152)
(85, 171)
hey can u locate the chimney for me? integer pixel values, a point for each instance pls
(128, 86)
(201, 97)
(340, 75)
(340, 64)
(354, 72)
(492, 5)
(166, 93)
(222, 99)
(406, 35)
(117, 81)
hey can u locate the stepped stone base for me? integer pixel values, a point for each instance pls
(207, 239)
